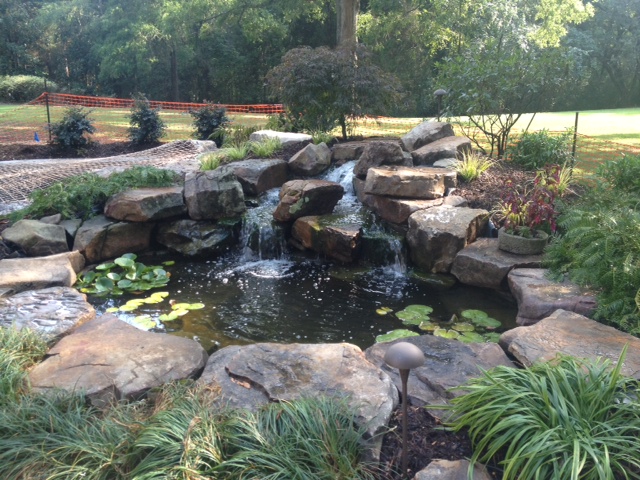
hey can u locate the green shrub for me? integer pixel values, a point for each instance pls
(566, 419)
(622, 174)
(23, 88)
(472, 166)
(234, 135)
(266, 148)
(322, 137)
(207, 121)
(70, 131)
(85, 195)
(210, 161)
(146, 124)
(535, 150)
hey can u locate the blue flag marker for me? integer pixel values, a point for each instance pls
(36, 137)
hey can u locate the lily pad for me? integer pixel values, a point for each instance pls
(395, 334)
(414, 314)
(168, 317)
(124, 262)
(168, 263)
(144, 321)
(105, 266)
(381, 311)
(444, 333)
(471, 337)
(428, 326)
(125, 283)
(136, 302)
(463, 327)
(128, 308)
(473, 314)
(112, 309)
(480, 318)
(492, 337)
(159, 294)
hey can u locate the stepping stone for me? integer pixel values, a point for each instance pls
(424, 183)
(20, 274)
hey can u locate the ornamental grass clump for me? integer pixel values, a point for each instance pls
(566, 419)
(472, 166)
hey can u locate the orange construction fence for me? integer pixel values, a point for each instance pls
(63, 99)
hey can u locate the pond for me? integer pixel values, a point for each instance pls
(264, 292)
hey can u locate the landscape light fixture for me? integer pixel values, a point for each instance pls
(404, 356)
(439, 94)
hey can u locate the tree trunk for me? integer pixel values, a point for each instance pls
(173, 61)
(347, 11)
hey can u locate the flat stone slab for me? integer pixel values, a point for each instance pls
(571, 334)
(146, 204)
(425, 133)
(447, 147)
(50, 311)
(397, 210)
(20, 274)
(36, 238)
(253, 375)
(111, 360)
(286, 138)
(329, 236)
(424, 183)
(482, 264)
(538, 297)
(451, 470)
(448, 364)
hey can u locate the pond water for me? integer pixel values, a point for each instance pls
(263, 292)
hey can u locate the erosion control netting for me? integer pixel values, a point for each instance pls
(19, 178)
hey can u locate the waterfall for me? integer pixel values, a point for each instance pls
(262, 238)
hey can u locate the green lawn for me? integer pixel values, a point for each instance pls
(622, 125)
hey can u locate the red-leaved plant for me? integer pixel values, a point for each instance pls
(526, 212)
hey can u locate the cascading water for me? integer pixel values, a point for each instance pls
(262, 238)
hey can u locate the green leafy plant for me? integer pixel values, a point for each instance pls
(146, 125)
(284, 122)
(322, 137)
(622, 174)
(472, 166)
(207, 121)
(85, 195)
(266, 148)
(224, 156)
(72, 130)
(535, 150)
(23, 88)
(124, 274)
(235, 135)
(565, 419)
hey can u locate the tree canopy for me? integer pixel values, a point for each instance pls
(221, 50)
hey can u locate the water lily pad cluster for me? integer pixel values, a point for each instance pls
(471, 326)
(146, 321)
(123, 275)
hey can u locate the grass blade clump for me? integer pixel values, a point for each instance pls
(314, 438)
(568, 419)
(266, 148)
(472, 166)
(19, 350)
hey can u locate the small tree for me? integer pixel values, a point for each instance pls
(208, 121)
(146, 124)
(70, 131)
(329, 87)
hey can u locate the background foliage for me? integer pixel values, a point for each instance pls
(221, 50)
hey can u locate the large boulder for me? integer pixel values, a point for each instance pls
(436, 235)
(254, 375)
(100, 238)
(301, 198)
(197, 239)
(20, 274)
(572, 334)
(447, 147)
(347, 151)
(110, 360)
(287, 139)
(37, 239)
(448, 364)
(213, 194)
(409, 182)
(50, 311)
(483, 264)
(311, 160)
(425, 133)
(538, 297)
(257, 176)
(329, 236)
(378, 153)
(146, 204)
